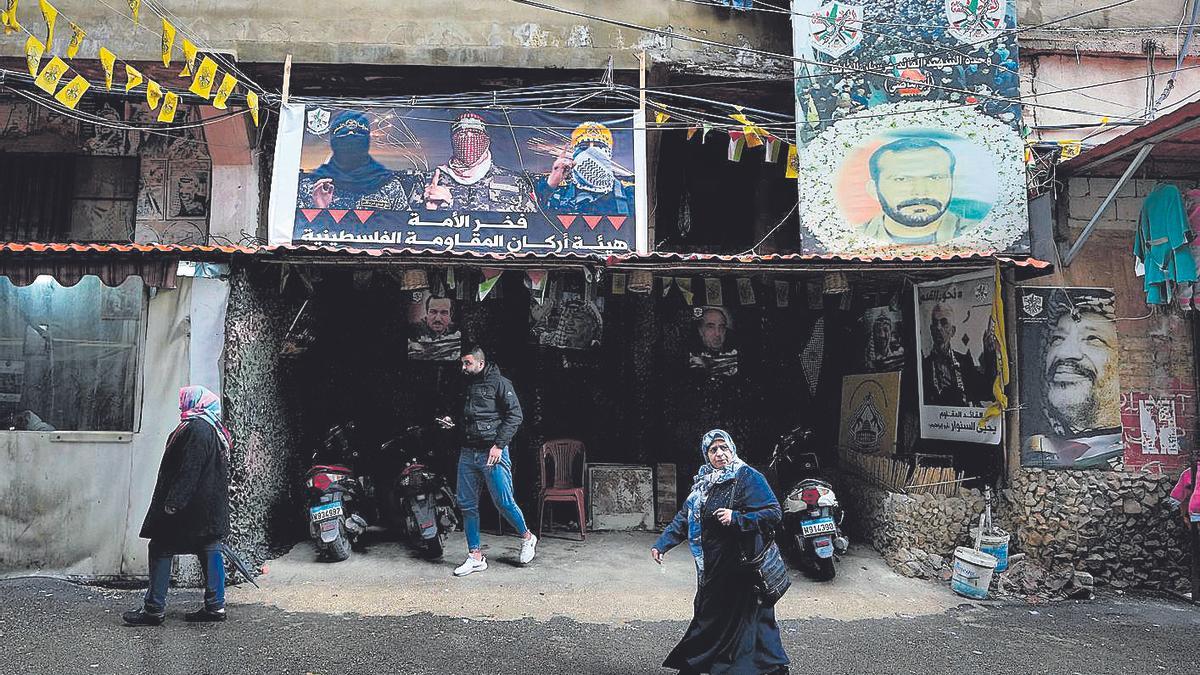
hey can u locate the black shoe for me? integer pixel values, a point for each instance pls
(205, 615)
(140, 617)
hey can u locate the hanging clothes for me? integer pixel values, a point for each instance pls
(1161, 243)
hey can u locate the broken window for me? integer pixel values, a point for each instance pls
(69, 354)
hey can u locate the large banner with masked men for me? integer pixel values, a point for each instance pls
(457, 180)
(909, 128)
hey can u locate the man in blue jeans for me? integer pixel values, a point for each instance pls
(491, 417)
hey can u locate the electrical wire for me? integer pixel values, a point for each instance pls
(163, 12)
(796, 59)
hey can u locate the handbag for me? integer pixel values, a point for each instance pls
(772, 578)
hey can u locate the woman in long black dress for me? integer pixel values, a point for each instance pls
(730, 512)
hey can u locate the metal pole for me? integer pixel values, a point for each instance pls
(1087, 230)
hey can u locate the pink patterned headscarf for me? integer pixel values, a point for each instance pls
(196, 401)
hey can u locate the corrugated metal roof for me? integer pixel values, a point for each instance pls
(1175, 135)
(672, 259)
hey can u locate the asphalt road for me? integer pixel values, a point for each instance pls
(50, 626)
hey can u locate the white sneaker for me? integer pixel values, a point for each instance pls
(471, 565)
(529, 549)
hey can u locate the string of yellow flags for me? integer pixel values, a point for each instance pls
(166, 102)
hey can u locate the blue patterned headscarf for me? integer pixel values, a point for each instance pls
(702, 484)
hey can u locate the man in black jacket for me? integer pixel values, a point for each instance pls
(189, 514)
(490, 419)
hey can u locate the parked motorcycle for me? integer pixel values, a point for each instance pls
(420, 500)
(812, 517)
(336, 495)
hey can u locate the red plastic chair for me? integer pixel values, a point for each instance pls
(564, 488)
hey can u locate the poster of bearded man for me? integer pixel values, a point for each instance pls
(1070, 390)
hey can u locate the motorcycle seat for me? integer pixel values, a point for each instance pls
(330, 468)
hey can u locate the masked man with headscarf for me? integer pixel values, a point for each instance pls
(471, 181)
(730, 513)
(585, 182)
(189, 512)
(351, 178)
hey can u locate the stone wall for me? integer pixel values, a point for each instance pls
(913, 532)
(1115, 526)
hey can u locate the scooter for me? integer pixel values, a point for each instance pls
(812, 517)
(336, 496)
(420, 500)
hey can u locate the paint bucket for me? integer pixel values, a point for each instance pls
(972, 573)
(995, 544)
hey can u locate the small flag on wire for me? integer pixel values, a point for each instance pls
(684, 284)
(660, 117)
(737, 143)
(169, 106)
(108, 61)
(206, 74)
(189, 58)
(154, 94)
(773, 147)
(252, 103)
(8, 18)
(752, 133)
(50, 14)
(692, 132)
(77, 35)
(793, 162)
(706, 128)
(51, 75)
(69, 95)
(491, 275)
(132, 77)
(134, 7)
(33, 54)
(168, 41)
(227, 84)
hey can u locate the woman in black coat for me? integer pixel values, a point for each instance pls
(189, 512)
(731, 511)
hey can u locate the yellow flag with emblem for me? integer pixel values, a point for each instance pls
(8, 17)
(252, 103)
(189, 58)
(50, 14)
(51, 75)
(220, 101)
(168, 41)
(169, 106)
(206, 75)
(134, 7)
(108, 61)
(33, 54)
(77, 35)
(69, 95)
(132, 77)
(154, 94)
(793, 162)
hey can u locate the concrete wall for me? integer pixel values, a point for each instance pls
(446, 33)
(76, 506)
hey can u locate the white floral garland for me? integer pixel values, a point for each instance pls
(1004, 224)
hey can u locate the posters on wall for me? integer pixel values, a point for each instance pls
(956, 344)
(870, 413)
(459, 180)
(713, 348)
(433, 333)
(880, 328)
(910, 131)
(1070, 391)
(1154, 429)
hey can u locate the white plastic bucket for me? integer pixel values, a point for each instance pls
(972, 572)
(995, 544)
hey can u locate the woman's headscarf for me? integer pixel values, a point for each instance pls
(197, 402)
(702, 484)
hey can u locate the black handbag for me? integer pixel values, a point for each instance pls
(772, 575)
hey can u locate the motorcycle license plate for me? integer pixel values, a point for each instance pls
(325, 512)
(819, 526)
